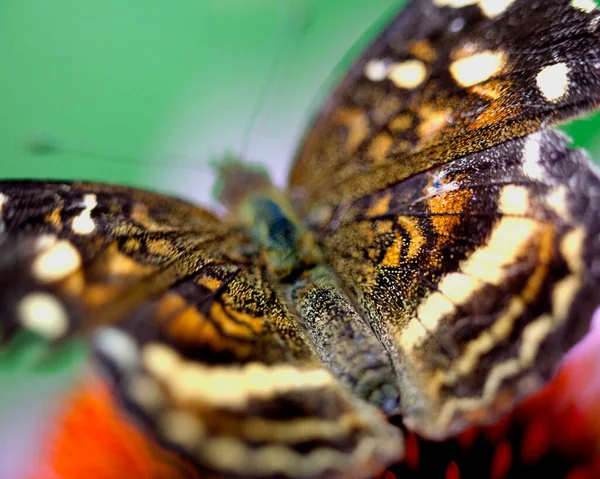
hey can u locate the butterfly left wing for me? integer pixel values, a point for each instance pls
(477, 275)
(199, 347)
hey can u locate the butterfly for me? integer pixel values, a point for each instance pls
(435, 254)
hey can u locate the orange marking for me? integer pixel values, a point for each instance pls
(119, 264)
(454, 201)
(498, 109)
(402, 122)
(492, 89)
(96, 295)
(209, 282)
(220, 315)
(132, 245)
(160, 248)
(538, 276)
(186, 324)
(357, 124)
(417, 240)
(54, 218)
(74, 284)
(380, 146)
(383, 227)
(423, 50)
(140, 214)
(432, 121)
(254, 322)
(392, 255)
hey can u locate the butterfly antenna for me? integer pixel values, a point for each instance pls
(301, 20)
(42, 146)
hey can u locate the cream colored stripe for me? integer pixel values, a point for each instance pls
(232, 456)
(227, 387)
(534, 335)
(507, 240)
(486, 265)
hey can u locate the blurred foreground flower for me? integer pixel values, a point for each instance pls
(555, 434)
(94, 441)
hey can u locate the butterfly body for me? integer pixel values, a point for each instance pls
(294, 262)
(435, 255)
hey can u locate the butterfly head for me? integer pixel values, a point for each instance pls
(237, 180)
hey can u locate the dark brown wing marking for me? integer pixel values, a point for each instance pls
(478, 275)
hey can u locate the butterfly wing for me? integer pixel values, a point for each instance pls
(467, 233)
(198, 346)
(444, 80)
(476, 275)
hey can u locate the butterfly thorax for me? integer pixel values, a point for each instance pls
(337, 330)
(287, 246)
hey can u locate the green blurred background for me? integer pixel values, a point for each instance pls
(157, 83)
(152, 90)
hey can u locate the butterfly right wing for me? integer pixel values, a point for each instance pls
(198, 346)
(477, 275)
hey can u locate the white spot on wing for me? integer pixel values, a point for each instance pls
(454, 3)
(477, 68)
(514, 200)
(586, 6)
(118, 346)
(493, 8)
(56, 262)
(531, 157)
(83, 224)
(490, 8)
(376, 70)
(42, 313)
(553, 81)
(557, 201)
(3, 200)
(45, 241)
(409, 74)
